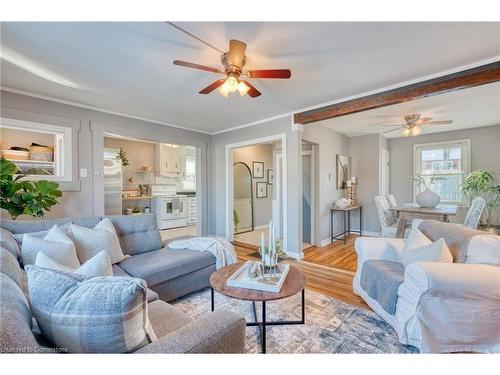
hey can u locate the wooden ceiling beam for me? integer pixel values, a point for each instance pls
(477, 76)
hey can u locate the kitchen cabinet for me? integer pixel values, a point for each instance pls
(191, 211)
(170, 160)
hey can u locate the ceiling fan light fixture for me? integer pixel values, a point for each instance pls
(231, 84)
(416, 131)
(243, 88)
(405, 132)
(223, 91)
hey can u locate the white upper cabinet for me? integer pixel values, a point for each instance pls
(170, 160)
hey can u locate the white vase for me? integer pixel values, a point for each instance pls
(427, 199)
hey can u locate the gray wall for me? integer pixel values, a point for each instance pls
(327, 144)
(263, 207)
(365, 155)
(293, 168)
(84, 196)
(485, 154)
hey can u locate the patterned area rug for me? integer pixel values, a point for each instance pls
(331, 326)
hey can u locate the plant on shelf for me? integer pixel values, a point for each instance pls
(136, 210)
(236, 220)
(24, 197)
(122, 155)
(483, 184)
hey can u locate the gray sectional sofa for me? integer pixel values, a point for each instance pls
(169, 274)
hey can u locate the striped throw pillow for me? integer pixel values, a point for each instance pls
(90, 315)
(90, 242)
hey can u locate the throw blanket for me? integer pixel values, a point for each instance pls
(222, 250)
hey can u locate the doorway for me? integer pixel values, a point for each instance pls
(254, 190)
(308, 195)
(384, 172)
(242, 198)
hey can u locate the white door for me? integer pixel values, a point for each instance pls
(384, 172)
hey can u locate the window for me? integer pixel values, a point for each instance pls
(41, 151)
(449, 161)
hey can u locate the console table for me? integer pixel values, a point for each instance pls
(346, 213)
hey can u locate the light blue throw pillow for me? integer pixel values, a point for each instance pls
(90, 315)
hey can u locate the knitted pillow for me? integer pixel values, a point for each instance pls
(90, 315)
(90, 242)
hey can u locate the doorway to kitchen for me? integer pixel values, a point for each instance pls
(142, 177)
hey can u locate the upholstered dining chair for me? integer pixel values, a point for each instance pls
(475, 211)
(388, 221)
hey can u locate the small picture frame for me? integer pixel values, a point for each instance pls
(261, 190)
(258, 169)
(270, 176)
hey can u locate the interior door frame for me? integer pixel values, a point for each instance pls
(229, 181)
(251, 197)
(313, 196)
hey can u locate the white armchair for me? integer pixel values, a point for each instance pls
(440, 307)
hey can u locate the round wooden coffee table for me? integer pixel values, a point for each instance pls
(294, 283)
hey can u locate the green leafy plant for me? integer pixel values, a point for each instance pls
(122, 155)
(483, 184)
(25, 197)
(236, 220)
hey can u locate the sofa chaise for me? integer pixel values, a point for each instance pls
(169, 274)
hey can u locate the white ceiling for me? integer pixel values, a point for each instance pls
(469, 108)
(127, 67)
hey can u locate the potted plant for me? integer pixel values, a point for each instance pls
(426, 198)
(236, 220)
(483, 184)
(24, 197)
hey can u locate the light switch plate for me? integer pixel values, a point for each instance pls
(83, 172)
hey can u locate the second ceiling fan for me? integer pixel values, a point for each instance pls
(233, 62)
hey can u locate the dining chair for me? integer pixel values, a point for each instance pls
(392, 203)
(475, 211)
(388, 224)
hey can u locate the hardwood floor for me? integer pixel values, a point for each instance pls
(329, 270)
(335, 255)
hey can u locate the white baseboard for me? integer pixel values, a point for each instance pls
(297, 256)
(328, 241)
(261, 226)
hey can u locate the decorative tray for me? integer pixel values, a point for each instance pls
(271, 282)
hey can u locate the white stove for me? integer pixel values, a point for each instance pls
(171, 209)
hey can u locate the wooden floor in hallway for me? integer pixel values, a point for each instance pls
(329, 270)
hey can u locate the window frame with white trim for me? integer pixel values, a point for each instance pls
(465, 165)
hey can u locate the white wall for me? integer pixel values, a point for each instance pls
(327, 144)
(365, 154)
(485, 154)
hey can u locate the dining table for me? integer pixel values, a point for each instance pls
(412, 210)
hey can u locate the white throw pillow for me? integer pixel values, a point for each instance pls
(484, 249)
(56, 244)
(19, 236)
(416, 239)
(433, 252)
(99, 265)
(90, 242)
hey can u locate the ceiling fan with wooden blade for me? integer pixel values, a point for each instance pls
(413, 123)
(233, 62)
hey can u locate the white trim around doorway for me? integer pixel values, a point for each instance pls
(229, 181)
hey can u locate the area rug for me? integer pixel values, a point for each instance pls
(332, 326)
